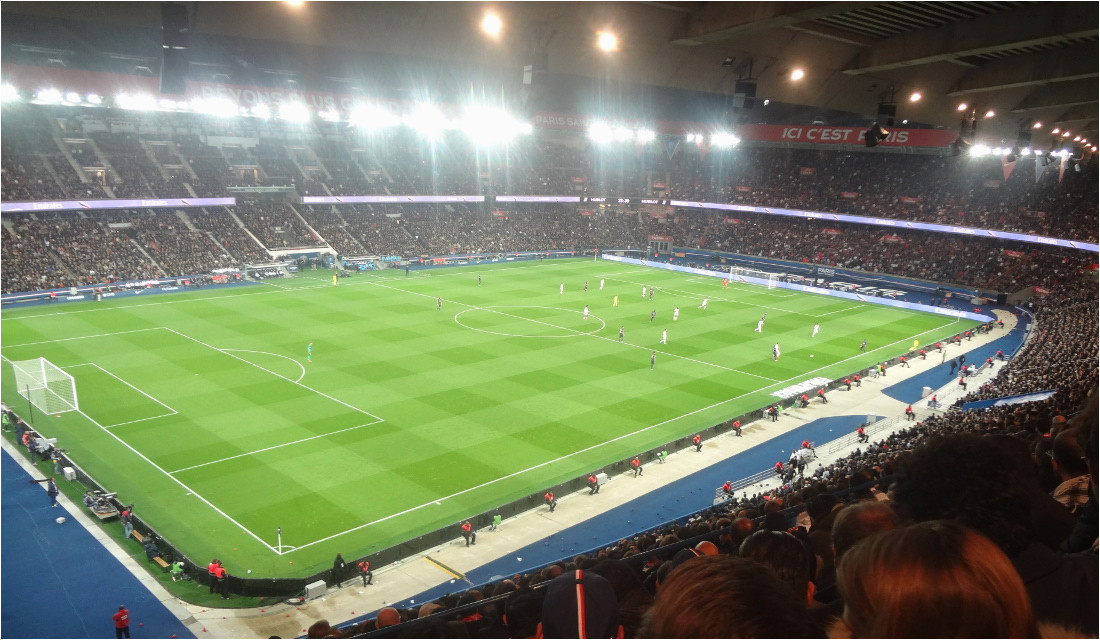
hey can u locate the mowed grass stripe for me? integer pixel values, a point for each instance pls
(472, 419)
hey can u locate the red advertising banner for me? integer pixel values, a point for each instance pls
(730, 220)
(832, 232)
(891, 238)
(807, 171)
(658, 184)
(1041, 290)
(658, 216)
(743, 189)
(1014, 254)
(905, 200)
(849, 194)
(844, 135)
(579, 179)
(587, 212)
(657, 238)
(500, 214)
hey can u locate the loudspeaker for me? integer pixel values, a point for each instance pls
(887, 112)
(1002, 299)
(744, 94)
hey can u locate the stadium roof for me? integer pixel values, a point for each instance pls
(1023, 60)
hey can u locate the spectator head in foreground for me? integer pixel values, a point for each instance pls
(790, 559)
(858, 521)
(934, 579)
(726, 597)
(580, 604)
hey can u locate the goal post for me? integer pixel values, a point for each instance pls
(45, 385)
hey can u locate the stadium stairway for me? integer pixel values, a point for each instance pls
(684, 484)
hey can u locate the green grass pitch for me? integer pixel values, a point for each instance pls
(203, 408)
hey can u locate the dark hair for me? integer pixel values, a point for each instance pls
(522, 613)
(726, 597)
(971, 479)
(786, 555)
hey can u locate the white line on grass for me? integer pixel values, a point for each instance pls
(119, 424)
(158, 468)
(277, 446)
(96, 335)
(595, 446)
(822, 315)
(277, 355)
(92, 364)
(579, 333)
(210, 346)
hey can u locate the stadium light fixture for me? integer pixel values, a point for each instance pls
(260, 110)
(140, 102)
(979, 150)
(600, 132)
(427, 121)
(1055, 131)
(485, 125)
(1065, 134)
(874, 135)
(1076, 138)
(1025, 151)
(94, 98)
(491, 25)
(645, 135)
(766, 102)
(607, 41)
(217, 107)
(622, 134)
(167, 104)
(723, 139)
(797, 74)
(8, 93)
(371, 118)
(48, 96)
(293, 112)
(962, 107)
(73, 97)
(329, 115)
(1037, 125)
(915, 96)
(991, 113)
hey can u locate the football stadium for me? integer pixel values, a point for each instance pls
(549, 319)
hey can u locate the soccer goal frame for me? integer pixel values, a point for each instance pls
(45, 385)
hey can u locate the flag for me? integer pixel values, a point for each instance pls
(670, 148)
(1039, 168)
(1007, 166)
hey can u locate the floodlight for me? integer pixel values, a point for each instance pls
(426, 120)
(689, 137)
(607, 41)
(1065, 134)
(217, 107)
(72, 96)
(329, 115)
(599, 132)
(294, 112)
(622, 134)
(140, 102)
(915, 96)
(1025, 151)
(990, 113)
(48, 96)
(261, 110)
(1076, 138)
(766, 102)
(167, 103)
(486, 125)
(8, 93)
(645, 135)
(961, 107)
(370, 117)
(874, 135)
(491, 25)
(797, 74)
(979, 150)
(723, 139)
(1037, 125)
(94, 98)
(1055, 130)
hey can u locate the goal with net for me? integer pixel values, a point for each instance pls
(45, 385)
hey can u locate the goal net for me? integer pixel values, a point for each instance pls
(45, 385)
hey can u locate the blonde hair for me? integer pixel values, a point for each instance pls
(935, 579)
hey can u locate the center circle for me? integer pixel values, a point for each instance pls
(529, 321)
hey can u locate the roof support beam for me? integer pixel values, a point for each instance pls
(1063, 65)
(722, 21)
(1060, 95)
(1028, 26)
